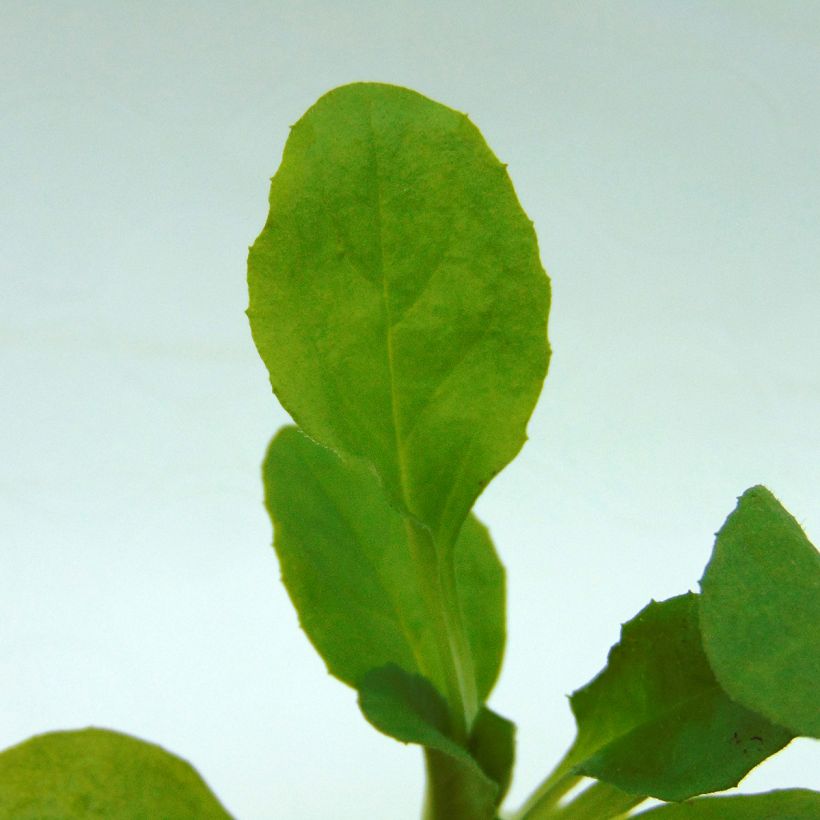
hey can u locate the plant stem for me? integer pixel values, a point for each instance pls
(428, 811)
(543, 801)
(436, 581)
(441, 792)
(599, 802)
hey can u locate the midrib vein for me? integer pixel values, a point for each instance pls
(439, 608)
(391, 368)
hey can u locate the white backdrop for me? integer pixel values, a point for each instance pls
(667, 153)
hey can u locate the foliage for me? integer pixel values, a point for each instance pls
(95, 773)
(398, 301)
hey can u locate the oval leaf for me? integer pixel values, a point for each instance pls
(349, 571)
(787, 804)
(397, 297)
(408, 708)
(760, 613)
(98, 773)
(656, 722)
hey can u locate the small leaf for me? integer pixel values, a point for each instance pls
(492, 745)
(656, 722)
(408, 708)
(348, 568)
(760, 613)
(788, 804)
(397, 297)
(97, 773)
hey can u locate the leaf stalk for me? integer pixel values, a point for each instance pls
(435, 576)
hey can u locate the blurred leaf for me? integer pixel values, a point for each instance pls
(760, 613)
(656, 722)
(96, 773)
(349, 570)
(397, 297)
(788, 804)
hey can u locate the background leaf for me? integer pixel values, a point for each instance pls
(346, 563)
(99, 773)
(788, 804)
(760, 613)
(656, 721)
(408, 708)
(397, 297)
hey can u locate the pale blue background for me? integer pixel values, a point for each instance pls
(667, 153)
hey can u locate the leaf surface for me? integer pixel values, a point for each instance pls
(397, 297)
(656, 721)
(408, 708)
(786, 804)
(492, 745)
(96, 773)
(348, 568)
(760, 613)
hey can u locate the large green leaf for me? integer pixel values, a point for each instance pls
(760, 613)
(461, 785)
(397, 297)
(96, 773)
(656, 722)
(788, 804)
(350, 572)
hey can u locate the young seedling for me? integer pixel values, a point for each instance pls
(398, 301)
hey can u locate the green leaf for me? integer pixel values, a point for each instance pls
(492, 745)
(397, 297)
(98, 773)
(788, 804)
(350, 572)
(408, 708)
(760, 613)
(656, 722)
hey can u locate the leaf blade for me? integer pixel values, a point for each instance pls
(97, 773)
(760, 612)
(785, 804)
(492, 745)
(348, 568)
(656, 722)
(397, 298)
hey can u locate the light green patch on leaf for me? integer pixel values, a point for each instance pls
(786, 804)
(408, 708)
(97, 773)
(348, 567)
(656, 722)
(760, 613)
(397, 297)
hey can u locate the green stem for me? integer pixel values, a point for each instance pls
(436, 581)
(543, 801)
(599, 802)
(429, 811)
(441, 793)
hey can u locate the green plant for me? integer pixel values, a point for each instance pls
(399, 303)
